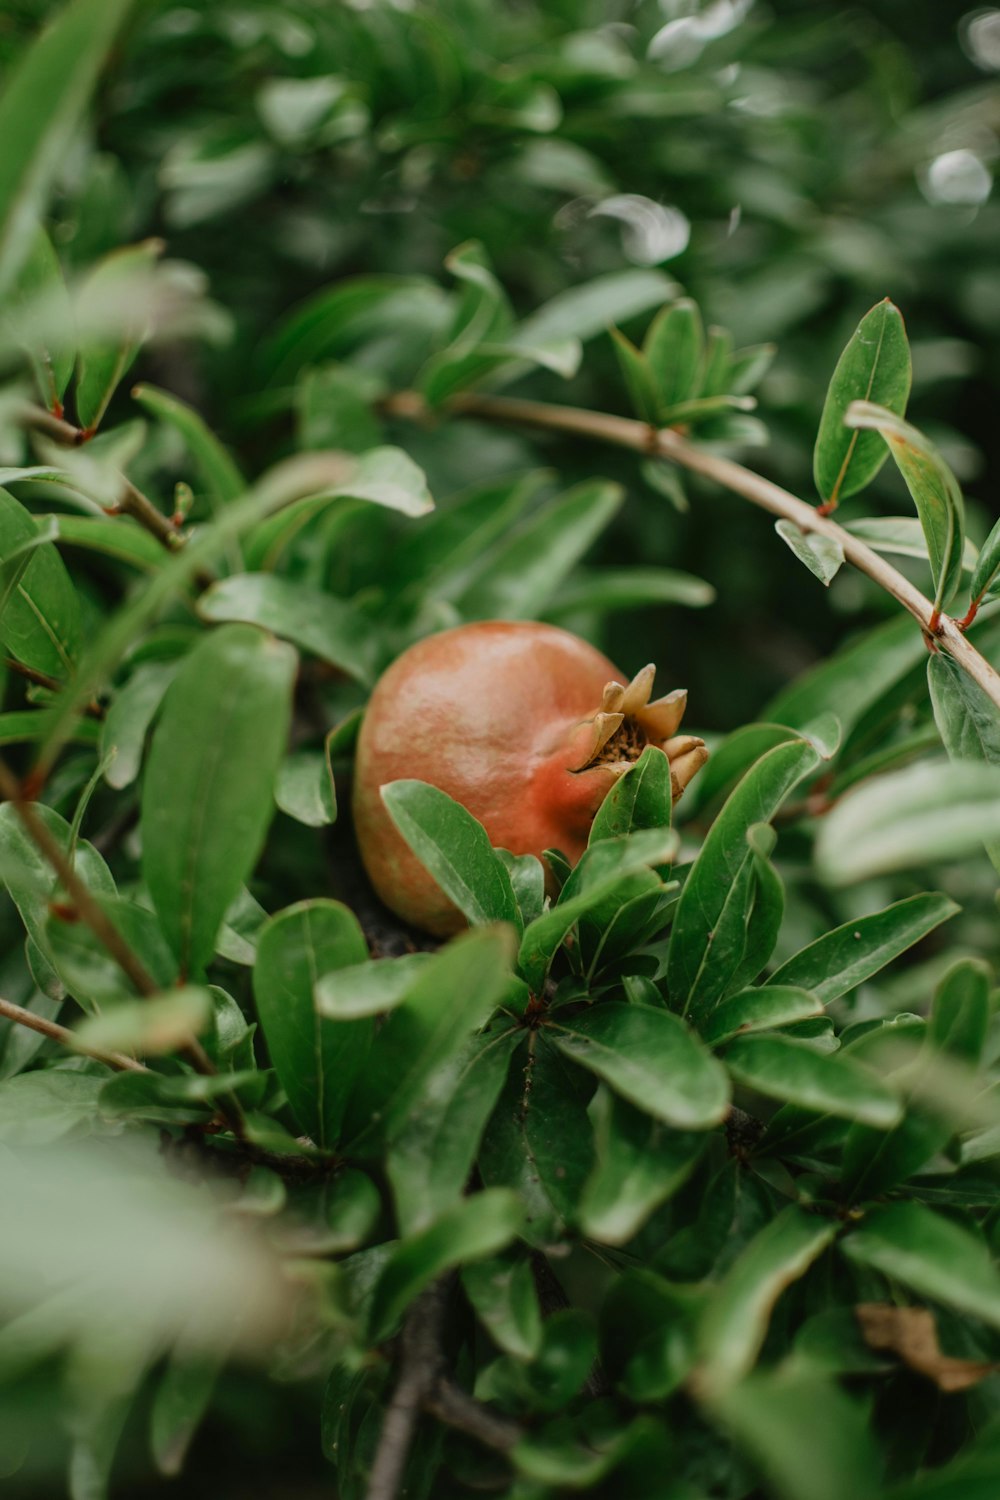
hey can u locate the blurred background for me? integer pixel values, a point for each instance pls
(787, 164)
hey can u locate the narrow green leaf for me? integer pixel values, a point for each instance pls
(219, 473)
(651, 1058)
(827, 1083)
(967, 720)
(839, 961)
(149, 1027)
(822, 555)
(932, 486)
(455, 849)
(607, 589)
(369, 988)
(902, 535)
(583, 312)
(733, 1326)
(760, 1010)
(121, 538)
(932, 1255)
(932, 811)
(853, 679)
(694, 981)
(27, 726)
(642, 798)
(207, 795)
(473, 1229)
(181, 1400)
(103, 365)
(84, 965)
(40, 620)
(715, 365)
(639, 379)
(40, 109)
(311, 619)
(987, 569)
(315, 1060)
(874, 367)
(39, 303)
(129, 716)
(673, 347)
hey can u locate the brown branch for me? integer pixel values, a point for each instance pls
(133, 502)
(67, 1038)
(52, 426)
(625, 432)
(420, 1362)
(456, 1408)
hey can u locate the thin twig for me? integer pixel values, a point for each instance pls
(625, 432)
(52, 426)
(420, 1362)
(42, 679)
(132, 502)
(456, 1408)
(67, 1038)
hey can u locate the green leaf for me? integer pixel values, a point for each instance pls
(673, 347)
(932, 811)
(527, 569)
(84, 965)
(960, 1015)
(120, 537)
(311, 619)
(473, 1229)
(933, 487)
(602, 874)
(40, 110)
(218, 471)
(102, 365)
(822, 555)
(839, 961)
(433, 1143)
(733, 1326)
(931, 1255)
(642, 798)
(640, 1164)
(207, 795)
(761, 1009)
(39, 608)
(29, 725)
(902, 535)
(809, 1439)
(316, 1060)
(39, 303)
(369, 988)
(583, 312)
(695, 981)
(527, 877)
(874, 367)
(455, 849)
(28, 876)
(149, 1027)
(638, 376)
(967, 720)
(987, 569)
(607, 589)
(304, 788)
(419, 1053)
(794, 1071)
(651, 1058)
(181, 1400)
(40, 1107)
(502, 1291)
(853, 679)
(128, 718)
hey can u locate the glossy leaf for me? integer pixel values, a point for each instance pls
(304, 788)
(207, 792)
(41, 107)
(39, 302)
(639, 799)
(840, 960)
(120, 538)
(502, 1291)
(874, 367)
(781, 1068)
(854, 678)
(84, 965)
(933, 487)
(638, 376)
(218, 471)
(316, 1060)
(315, 621)
(733, 1327)
(40, 620)
(473, 1229)
(987, 569)
(640, 1164)
(822, 555)
(607, 589)
(931, 811)
(455, 849)
(583, 312)
(694, 982)
(181, 1400)
(673, 348)
(931, 1255)
(902, 535)
(102, 365)
(652, 1059)
(128, 718)
(369, 988)
(967, 720)
(763, 1009)
(149, 1027)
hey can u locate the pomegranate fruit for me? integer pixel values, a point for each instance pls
(525, 725)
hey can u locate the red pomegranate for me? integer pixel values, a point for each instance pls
(526, 725)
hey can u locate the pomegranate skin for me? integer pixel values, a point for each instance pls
(504, 716)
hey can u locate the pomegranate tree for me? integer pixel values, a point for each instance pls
(525, 725)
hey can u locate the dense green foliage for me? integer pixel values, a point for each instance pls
(682, 1182)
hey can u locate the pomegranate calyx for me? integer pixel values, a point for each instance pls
(626, 722)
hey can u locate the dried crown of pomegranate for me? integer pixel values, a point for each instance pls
(526, 725)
